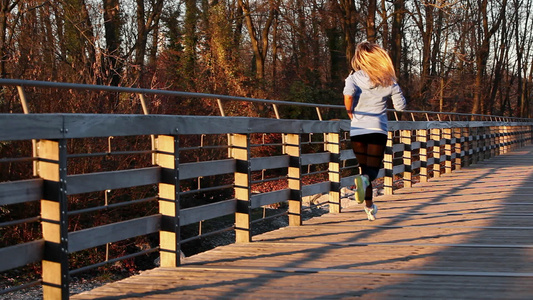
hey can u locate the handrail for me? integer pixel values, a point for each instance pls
(20, 83)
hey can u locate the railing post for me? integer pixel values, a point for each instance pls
(447, 135)
(514, 137)
(292, 147)
(503, 139)
(493, 140)
(169, 236)
(486, 142)
(458, 148)
(388, 164)
(475, 145)
(407, 158)
(467, 146)
(333, 147)
(240, 151)
(422, 137)
(52, 168)
(436, 137)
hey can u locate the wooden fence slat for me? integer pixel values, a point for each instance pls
(14, 192)
(16, 127)
(96, 236)
(92, 182)
(315, 158)
(268, 198)
(209, 211)
(21, 255)
(97, 125)
(271, 162)
(320, 188)
(347, 154)
(206, 168)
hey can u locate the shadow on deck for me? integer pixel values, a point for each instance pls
(465, 235)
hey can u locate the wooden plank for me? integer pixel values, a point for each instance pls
(16, 127)
(293, 148)
(54, 220)
(334, 171)
(347, 154)
(96, 236)
(208, 211)
(348, 181)
(33, 126)
(85, 125)
(206, 168)
(268, 163)
(21, 255)
(42, 126)
(14, 192)
(268, 198)
(167, 157)
(99, 181)
(315, 158)
(293, 285)
(316, 188)
(240, 151)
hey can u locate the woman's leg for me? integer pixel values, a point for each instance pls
(375, 154)
(369, 150)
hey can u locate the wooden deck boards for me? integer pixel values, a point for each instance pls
(465, 235)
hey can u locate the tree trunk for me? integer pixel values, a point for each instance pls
(145, 25)
(397, 33)
(384, 25)
(371, 21)
(349, 19)
(112, 26)
(482, 53)
(259, 39)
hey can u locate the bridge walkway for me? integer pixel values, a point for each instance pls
(464, 235)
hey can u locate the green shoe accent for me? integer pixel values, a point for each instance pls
(360, 191)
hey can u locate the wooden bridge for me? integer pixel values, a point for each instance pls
(463, 233)
(466, 235)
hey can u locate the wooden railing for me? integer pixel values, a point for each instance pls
(303, 149)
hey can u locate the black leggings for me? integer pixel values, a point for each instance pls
(369, 150)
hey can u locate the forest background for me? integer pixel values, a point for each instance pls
(461, 56)
(468, 56)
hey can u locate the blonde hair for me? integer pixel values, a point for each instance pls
(375, 62)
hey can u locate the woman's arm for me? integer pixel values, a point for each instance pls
(348, 103)
(398, 100)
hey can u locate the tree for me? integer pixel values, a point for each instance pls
(6, 9)
(113, 26)
(259, 33)
(397, 33)
(147, 20)
(424, 20)
(371, 21)
(483, 35)
(349, 16)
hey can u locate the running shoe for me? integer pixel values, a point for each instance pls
(361, 183)
(371, 212)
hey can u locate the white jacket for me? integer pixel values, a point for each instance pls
(369, 105)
